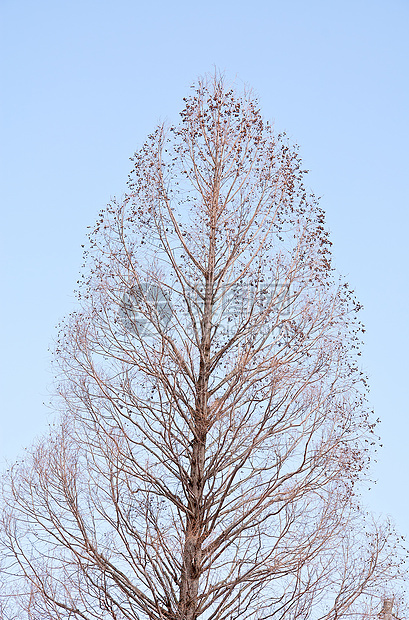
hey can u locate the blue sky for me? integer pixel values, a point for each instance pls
(83, 83)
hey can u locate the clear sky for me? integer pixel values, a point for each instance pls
(83, 82)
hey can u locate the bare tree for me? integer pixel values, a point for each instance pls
(214, 424)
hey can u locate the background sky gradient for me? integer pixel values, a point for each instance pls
(83, 82)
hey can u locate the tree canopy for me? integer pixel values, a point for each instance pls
(214, 426)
